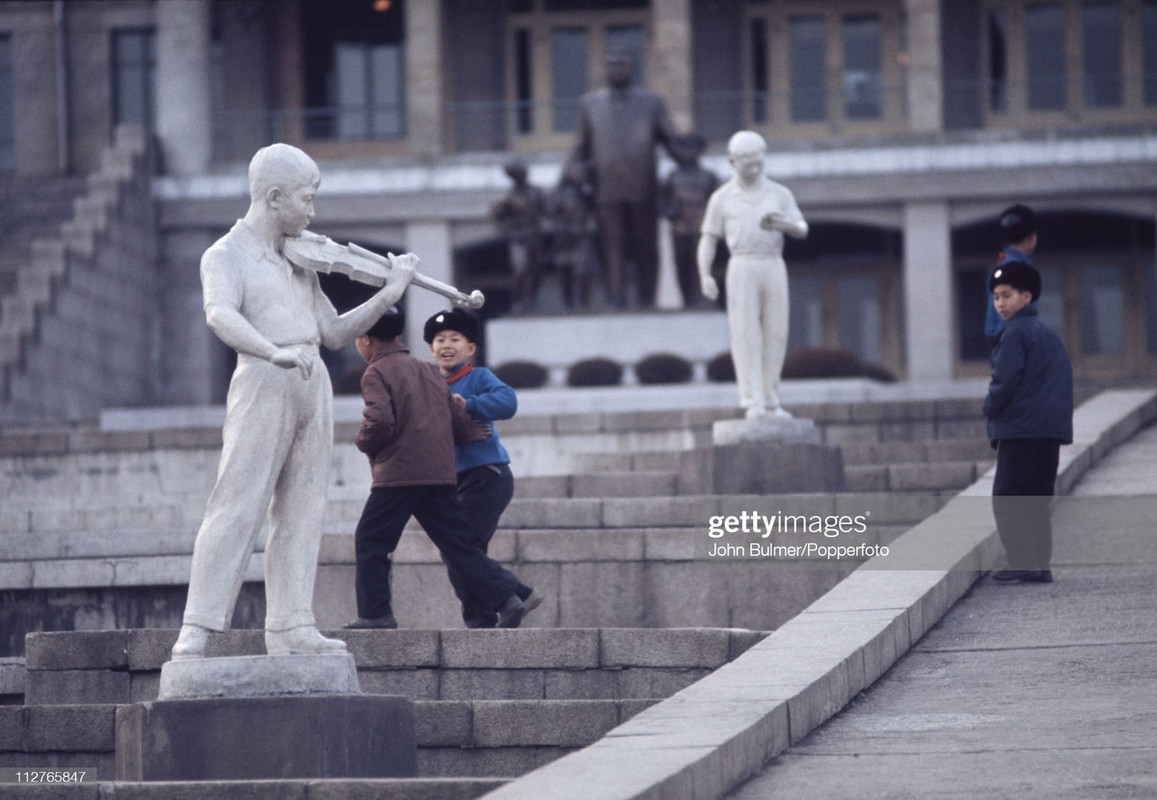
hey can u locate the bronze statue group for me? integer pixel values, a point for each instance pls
(598, 226)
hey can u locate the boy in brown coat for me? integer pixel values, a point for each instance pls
(409, 425)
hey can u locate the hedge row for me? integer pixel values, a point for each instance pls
(667, 368)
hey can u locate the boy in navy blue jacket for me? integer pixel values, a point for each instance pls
(1030, 415)
(485, 483)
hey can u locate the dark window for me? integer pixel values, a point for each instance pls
(569, 53)
(354, 74)
(523, 82)
(1101, 30)
(863, 36)
(1149, 41)
(759, 71)
(806, 40)
(134, 67)
(1045, 53)
(7, 108)
(997, 60)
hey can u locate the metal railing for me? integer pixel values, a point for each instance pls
(859, 108)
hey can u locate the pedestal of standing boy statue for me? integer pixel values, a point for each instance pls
(773, 455)
(768, 451)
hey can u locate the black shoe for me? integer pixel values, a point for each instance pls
(511, 613)
(1012, 575)
(1023, 576)
(386, 621)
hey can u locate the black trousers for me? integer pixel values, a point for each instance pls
(484, 492)
(438, 512)
(1022, 492)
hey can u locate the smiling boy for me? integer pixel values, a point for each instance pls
(485, 483)
(409, 424)
(1030, 415)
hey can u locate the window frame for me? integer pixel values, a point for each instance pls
(775, 18)
(538, 25)
(147, 78)
(1017, 113)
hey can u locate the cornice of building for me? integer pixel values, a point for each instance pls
(483, 173)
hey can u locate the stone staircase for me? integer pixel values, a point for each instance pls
(97, 525)
(75, 285)
(488, 704)
(97, 529)
(34, 208)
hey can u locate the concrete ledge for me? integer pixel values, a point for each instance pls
(379, 789)
(706, 739)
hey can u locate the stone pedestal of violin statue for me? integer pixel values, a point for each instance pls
(275, 462)
(768, 450)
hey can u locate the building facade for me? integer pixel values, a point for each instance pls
(902, 126)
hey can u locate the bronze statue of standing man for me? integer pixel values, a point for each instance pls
(619, 126)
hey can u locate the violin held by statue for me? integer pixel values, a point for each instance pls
(323, 254)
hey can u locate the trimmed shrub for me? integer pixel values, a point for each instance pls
(721, 369)
(594, 372)
(664, 368)
(818, 362)
(522, 374)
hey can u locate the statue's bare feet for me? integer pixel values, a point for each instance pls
(190, 642)
(302, 640)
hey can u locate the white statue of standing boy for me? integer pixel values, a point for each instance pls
(752, 213)
(278, 430)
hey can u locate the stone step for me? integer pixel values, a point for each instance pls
(463, 738)
(330, 788)
(529, 526)
(12, 673)
(603, 462)
(99, 667)
(487, 703)
(930, 478)
(888, 453)
(628, 483)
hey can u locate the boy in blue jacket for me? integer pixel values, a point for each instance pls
(485, 482)
(1030, 415)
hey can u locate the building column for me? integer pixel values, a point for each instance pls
(925, 67)
(669, 71)
(425, 79)
(184, 115)
(430, 241)
(928, 313)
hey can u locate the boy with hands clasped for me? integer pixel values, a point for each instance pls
(485, 483)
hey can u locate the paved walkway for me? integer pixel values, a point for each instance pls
(1020, 691)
